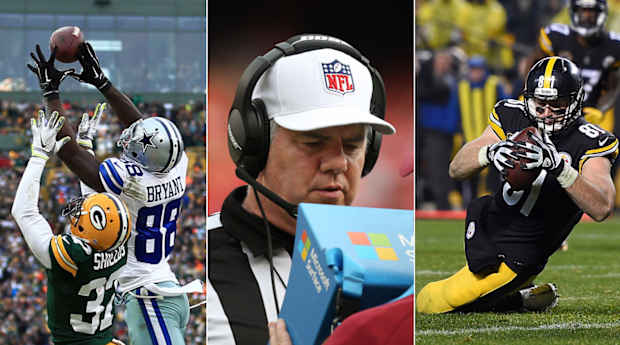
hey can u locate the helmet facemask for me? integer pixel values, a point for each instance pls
(552, 114)
(100, 219)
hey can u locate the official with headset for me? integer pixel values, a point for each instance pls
(305, 126)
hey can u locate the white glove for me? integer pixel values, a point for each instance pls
(88, 127)
(44, 131)
(134, 189)
(545, 155)
(502, 155)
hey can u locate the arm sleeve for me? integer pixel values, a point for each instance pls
(112, 174)
(35, 229)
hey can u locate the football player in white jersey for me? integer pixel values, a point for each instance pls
(150, 178)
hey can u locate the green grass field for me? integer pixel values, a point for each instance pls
(587, 277)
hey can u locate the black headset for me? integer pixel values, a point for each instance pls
(248, 122)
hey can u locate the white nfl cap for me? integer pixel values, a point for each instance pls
(318, 89)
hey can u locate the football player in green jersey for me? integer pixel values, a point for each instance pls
(82, 265)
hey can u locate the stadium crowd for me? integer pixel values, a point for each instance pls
(463, 47)
(22, 279)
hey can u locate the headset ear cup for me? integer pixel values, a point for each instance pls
(262, 136)
(236, 136)
(248, 137)
(372, 151)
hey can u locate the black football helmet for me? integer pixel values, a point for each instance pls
(553, 83)
(588, 25)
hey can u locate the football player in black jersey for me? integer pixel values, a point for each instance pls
(510, 235)
(593, 49)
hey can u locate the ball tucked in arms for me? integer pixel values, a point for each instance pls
(519, 177)
(67, 40)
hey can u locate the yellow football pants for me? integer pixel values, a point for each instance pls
(462, 288)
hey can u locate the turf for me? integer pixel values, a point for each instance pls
(587, 277)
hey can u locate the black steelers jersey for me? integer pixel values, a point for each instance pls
(530, 225)
(595, 62)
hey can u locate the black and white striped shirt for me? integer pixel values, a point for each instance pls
(239, 291)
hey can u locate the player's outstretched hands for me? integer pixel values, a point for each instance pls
(501, 154)
(44, 130)
(91, 69)
(49, 77)
(549, 159)
(88, 127)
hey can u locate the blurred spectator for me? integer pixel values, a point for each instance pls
(484, 33)
(439, 23)
(437, 109)
(477, 94)
(22, 279)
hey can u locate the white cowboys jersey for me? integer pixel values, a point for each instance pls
(154, 221)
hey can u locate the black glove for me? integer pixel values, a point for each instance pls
(501, 154)
(549, 157)
(91, 70)
(49, 77)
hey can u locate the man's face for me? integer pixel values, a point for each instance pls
(476, 74)
(587, 16)
(322, 166)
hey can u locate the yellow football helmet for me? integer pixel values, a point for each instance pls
(101, 219)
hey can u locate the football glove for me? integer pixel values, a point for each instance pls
(545, 155)
(44, 130)
(533, 153)
(502, 154)
(91, 69)
(88, 127)
(49, 77)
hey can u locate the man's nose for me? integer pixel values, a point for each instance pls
(335, 159)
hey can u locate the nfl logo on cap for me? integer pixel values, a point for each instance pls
(338, 77)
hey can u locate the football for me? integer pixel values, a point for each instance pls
(67, 39)
(518, 177)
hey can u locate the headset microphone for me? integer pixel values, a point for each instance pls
(287, 206)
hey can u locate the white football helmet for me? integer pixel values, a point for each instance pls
(154, 143)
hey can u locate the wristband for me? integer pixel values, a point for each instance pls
(567, 176)
(39, 154)
(85, 143)
(51, 95)
(483, 159)
(105, 86)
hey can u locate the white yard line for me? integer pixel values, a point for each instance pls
(571, 326)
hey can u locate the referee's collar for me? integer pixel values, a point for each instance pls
(250, 228)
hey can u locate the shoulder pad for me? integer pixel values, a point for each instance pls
(112, 174)
(68, 251)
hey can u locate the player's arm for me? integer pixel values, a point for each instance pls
(92, 74)
(78, 160)
(35, 229)
(593, 190)
(479, 153)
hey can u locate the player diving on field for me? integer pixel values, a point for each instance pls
(510, 235)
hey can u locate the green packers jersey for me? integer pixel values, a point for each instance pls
(80, 295)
